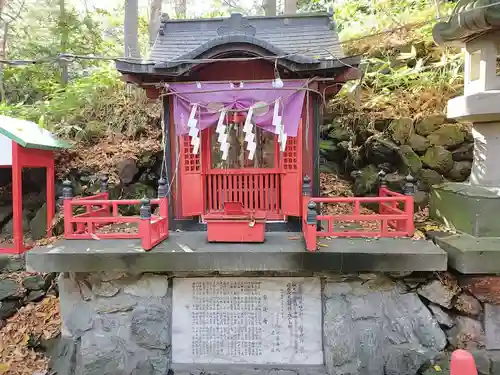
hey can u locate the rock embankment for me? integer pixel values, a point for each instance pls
(432, 149)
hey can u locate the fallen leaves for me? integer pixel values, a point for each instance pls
(37, 322)
(105, 155)
(333, 186)
(4, 368)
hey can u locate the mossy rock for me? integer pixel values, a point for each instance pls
(136, 191)
(332, 151)
(448, 135)
(366, 182)
(381, 124)
(410, 160)
(464, 152)
(339, 134)
(438, 158)
(38, 225)
(419, 143)
(379, 150)
(355, 159)
(395, 181)
(429, 177)
(401, 130)
(460, 171)
(427, 125)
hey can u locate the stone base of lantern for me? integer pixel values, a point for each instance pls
(472, 212)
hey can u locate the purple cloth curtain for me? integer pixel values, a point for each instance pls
(292, 99)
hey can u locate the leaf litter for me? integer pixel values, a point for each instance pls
(33, 322)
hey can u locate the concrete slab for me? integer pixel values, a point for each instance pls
(468, 254)
(282, 252)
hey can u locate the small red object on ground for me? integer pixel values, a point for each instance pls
(462, 363)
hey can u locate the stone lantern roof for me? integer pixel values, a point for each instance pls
(469, 19)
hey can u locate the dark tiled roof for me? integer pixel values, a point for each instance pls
(310, 37)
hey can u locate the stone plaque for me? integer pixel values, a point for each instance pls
(247, 320)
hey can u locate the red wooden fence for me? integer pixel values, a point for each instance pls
(100, 212)
(257, 190)
(393, 220)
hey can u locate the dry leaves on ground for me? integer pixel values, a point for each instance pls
(32, 322)
(333, 186)
(105, 155)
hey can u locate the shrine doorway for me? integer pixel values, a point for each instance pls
(256, 183)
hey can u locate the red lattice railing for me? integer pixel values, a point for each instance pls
(256, 189)
(395, 217)
(102, 212)
(191, 161)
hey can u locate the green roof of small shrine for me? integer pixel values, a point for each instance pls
(469, 19)
(30, 135)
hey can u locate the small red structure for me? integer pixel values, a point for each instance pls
(24, 144)
(462, 363)
(236, 224)
(242, 108)
(101, 212)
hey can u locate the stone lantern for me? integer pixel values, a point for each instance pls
(472, 208)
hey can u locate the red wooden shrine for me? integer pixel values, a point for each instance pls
(236, 197)
(25, 145)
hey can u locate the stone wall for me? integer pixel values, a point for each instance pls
(116, 323)
(432, 149)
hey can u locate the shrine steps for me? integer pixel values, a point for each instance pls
(281, 252)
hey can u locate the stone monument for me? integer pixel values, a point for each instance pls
(471, 208)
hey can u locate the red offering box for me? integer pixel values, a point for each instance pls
(234, 225)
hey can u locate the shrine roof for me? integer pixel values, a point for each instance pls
(469, 19)
(309, 36)
(302, 41)
(29, 135)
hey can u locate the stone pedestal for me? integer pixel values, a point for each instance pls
(122, 324)
(471, 209)
(486, 166)
(467, 208)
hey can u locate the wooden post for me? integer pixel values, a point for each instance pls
(145, 224)
(382, 190)
(312, 224)
(167, 162)
(306, 196)
(67, 196)
(51, 196)
(315, 148)
(162, 196)
(17, 200)
(409, 189)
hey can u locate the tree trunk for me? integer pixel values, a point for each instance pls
(154, 20)
(270, 7)
(131, 29)
(63, 29)
(290, 6)
(4, 57)
(180, 8)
